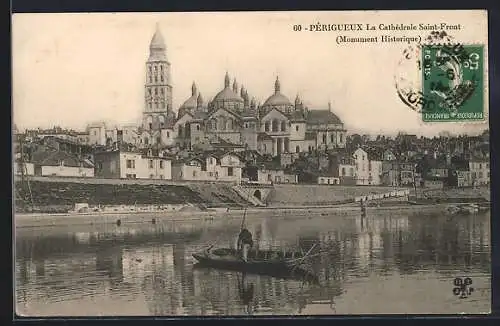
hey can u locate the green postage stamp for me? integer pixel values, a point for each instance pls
(453, 82)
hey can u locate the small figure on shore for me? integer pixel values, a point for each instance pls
(245, 243)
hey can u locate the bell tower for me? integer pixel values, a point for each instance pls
(158, 87)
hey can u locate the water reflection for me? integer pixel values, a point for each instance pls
(151, 269)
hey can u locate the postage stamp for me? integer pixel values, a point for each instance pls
(450, 81)
(453, 82)
(251, 163)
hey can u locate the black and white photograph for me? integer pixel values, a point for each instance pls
(251, 163)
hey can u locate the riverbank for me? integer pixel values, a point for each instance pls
(149, 218)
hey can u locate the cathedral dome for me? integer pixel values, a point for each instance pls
(227, 95)
(191, 102)
(277, 99)
(228, 98)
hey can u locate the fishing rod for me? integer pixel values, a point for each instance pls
(245, 212)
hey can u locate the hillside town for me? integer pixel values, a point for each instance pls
(404, 160)
(235, 139)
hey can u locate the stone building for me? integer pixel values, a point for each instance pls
(277, 126)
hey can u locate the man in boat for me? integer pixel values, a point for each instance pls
(246, 291)
(245, 242)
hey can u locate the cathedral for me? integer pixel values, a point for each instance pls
(229, 120)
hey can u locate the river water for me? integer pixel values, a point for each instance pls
(383, 263)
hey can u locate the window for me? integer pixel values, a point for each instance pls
(150, 164)
(283, 125)
(352, 171)
(331, 138)
(162, 164)
(230, 171)
(168, 134)
(146, 141)
(297, 128)
(95, 133)
(324, 138)
(130, 164)
(343, 171)
(297, 149)
(151, 176)
(266, 126)
(158, 140)
(194, 173)
(275, 125)
(198, 127)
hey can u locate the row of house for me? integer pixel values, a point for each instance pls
(366, 165)
(375, 166)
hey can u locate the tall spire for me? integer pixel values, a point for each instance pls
(235, 86)
(277, 85)
(226, 80)
(329, 105)
(199, 100)
(297, 99)
(242, 92)
(157, 48)
(193, 89)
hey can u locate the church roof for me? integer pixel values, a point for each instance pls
(190, 103)
(277, 98)
(157, 47)
(157, 41)
(227, 95)
(322, 117)
(297, 116)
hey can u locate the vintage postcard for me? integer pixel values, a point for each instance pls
(251, 163)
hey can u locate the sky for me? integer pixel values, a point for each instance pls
(73, 69)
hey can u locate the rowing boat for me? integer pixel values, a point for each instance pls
(268, 262)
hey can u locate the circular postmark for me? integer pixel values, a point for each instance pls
(438, 75)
